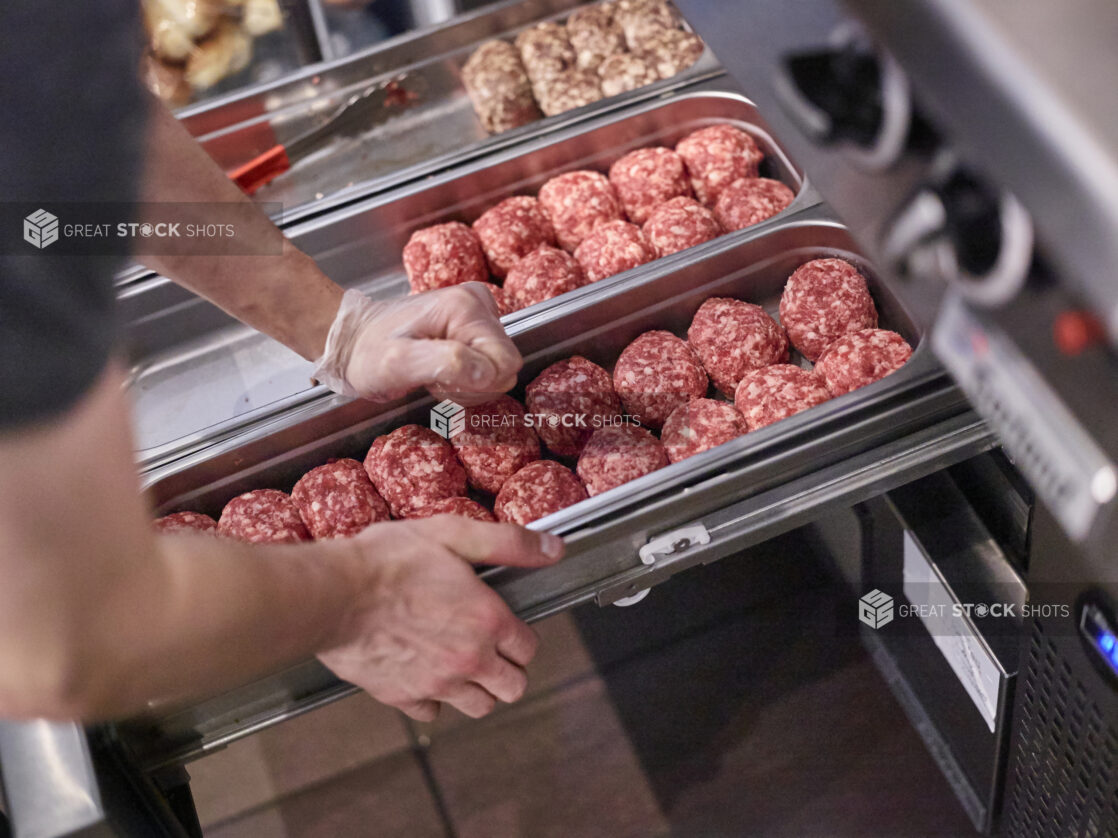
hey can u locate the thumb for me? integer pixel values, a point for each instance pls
(500, 544)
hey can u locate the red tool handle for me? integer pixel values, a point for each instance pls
(261, 170)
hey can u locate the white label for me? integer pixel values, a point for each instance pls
(969, 659)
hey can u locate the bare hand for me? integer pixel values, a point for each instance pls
(425, 630)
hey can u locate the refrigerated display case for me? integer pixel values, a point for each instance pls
(894, 171)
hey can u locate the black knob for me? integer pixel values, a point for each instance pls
(844, 87)
(972, 220)
(850, 95)
(964, 230)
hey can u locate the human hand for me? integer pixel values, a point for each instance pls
(449, 340)
(424, 629)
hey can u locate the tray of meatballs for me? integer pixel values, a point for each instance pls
(661, 384)
(587, 225)
(546, 226)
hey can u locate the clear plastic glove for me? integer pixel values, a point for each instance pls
(450, 341)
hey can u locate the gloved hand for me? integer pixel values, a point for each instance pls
(450, 341)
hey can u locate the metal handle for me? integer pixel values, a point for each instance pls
(669, 544)
(758, 518)
(261, 170)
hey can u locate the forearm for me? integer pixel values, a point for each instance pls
(98, 617)
(204, 615)
(280, 292)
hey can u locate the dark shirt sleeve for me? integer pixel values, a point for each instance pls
(71, 130)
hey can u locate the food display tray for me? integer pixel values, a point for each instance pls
(437, 129)
(197, 375)
(628, 539)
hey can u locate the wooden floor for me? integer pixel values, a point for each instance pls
(735, 701)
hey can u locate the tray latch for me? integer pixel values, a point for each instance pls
(667, 544)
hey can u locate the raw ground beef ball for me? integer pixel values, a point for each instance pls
(655, 374)
(539, 276)
(567, 91)
(773, 393)
(498, 86)
(625, 71)
(338, 500)
(642, 20)
(822, 301)
(546, 51)
(679, 224)
(576, 203)
(505, 303)
(613, 247)
(511, 230)
(566, 391)
(413, 467)
(699, 426)
(733, 337)
(717, 156)
(594, 34)
(862, 358)
(496, 443)
(671, 51)
(536, 491)
(614, 456)
(185, 522)
(648, 177)
(263, 516)
(750, 201)
(464, 507)
(443, 255)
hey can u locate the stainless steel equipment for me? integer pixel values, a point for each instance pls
(1062, 777)
(953, 671)
(972, 146)
(977, 167)
(198, 375)
(942, 190)
(757, 486)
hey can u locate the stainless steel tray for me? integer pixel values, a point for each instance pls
(837, 454)
(439, 129)
(198, 375)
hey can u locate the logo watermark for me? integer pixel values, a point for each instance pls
(875, 609)
(923, 607)
(40, 229)
(113, 228)
(448, 419)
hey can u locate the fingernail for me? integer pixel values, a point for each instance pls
(552, 545)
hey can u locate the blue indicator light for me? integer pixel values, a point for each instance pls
(1101, 629)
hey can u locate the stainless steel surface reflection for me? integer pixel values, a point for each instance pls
(49, 781)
